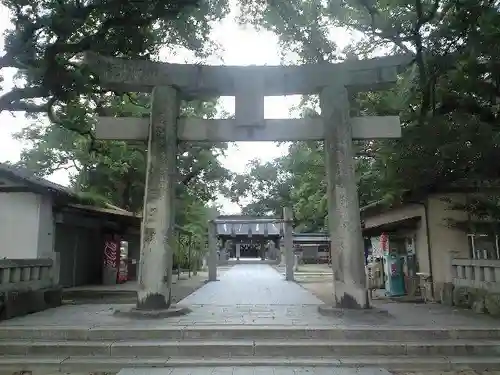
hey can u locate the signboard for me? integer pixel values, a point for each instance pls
(376, 249)
(410, 246)
(380, 245)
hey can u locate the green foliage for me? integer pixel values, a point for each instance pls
(447, 100)
(92, 199)
(49, 37)
(46, 46)
(268, 184)
(117, 173)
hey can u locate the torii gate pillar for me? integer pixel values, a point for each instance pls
(348, 265)
(154, 294)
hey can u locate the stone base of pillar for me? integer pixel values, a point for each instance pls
(348, 296)
(135, 313)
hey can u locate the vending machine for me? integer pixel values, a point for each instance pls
(111, 254)
(394, 282)
(123, 265)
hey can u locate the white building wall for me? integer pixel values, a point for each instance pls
(46, 233)
(19, 225)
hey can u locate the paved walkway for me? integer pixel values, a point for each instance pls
(249, 294)
(251, 284)
(256, 294)
(259, 371)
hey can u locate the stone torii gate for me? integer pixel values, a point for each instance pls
(249, 85)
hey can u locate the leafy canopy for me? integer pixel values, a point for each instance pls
(447, 99)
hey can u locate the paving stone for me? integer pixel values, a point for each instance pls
(251, 294)
(260, 370)
(246, 294)
(251, 284)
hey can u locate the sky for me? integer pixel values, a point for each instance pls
(241, 45)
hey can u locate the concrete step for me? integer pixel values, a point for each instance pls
(249, 348)
(108, 364)
(99, 296)
(245, 332)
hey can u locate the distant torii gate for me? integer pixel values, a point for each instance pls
(249, 85)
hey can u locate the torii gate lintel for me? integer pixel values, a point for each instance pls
(202, 81)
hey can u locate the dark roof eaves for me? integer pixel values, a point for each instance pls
(41, 185)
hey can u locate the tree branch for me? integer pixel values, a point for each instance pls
(190, 176)
(13, 100)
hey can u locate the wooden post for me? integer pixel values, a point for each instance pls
(343, 206)
(288, 239)
(212, 251)
(157, 234)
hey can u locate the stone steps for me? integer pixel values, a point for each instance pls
(97, 294)
(246, 332)
(112, 348)
(249, 348)
(108, 364)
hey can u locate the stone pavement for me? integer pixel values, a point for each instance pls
(251, 294)
(252, 321)
(257, 371)
(251, 284)
(258, 295)
(182, 286)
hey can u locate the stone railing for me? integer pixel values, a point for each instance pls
(476, 273)
(18, 275)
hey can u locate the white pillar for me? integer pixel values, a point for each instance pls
(212, 251)
(157, 232)
(238, 251)
(288, 239)
(343, 205)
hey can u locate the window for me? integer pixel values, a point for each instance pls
(483, 246)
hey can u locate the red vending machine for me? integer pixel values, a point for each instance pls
(111, 262)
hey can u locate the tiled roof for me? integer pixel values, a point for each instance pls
(238, 225)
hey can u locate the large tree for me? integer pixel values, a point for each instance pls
(116, 173)
(46, 44)
(447, 99)
(48, 38)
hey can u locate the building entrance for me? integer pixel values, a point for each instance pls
(249, 250)
(249, 237)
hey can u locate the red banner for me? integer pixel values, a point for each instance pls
(384, 239)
